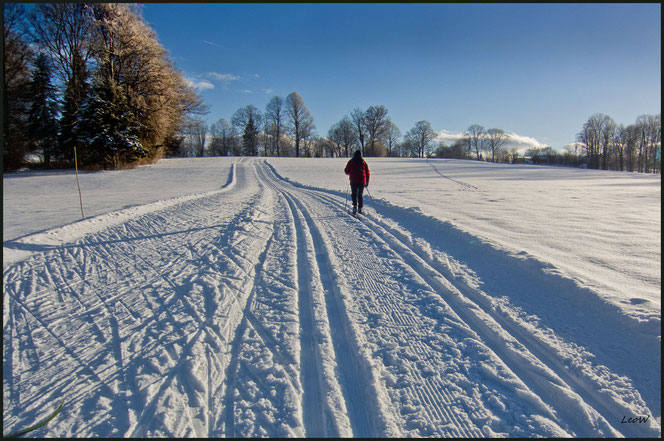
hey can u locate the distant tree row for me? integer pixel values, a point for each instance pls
(609, 146)
(286, 128)
(479, 143)
(602, 144)
(91, 76)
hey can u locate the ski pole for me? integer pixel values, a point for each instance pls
(346, 204)
(373, 204)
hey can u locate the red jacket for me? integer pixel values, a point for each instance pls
(358, 172)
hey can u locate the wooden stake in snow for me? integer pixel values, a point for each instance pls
(80, 198)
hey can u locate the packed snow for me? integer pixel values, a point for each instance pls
(236, 297)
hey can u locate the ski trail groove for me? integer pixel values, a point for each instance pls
(581, 408)
(315, 413)
(355, 376)
(608, 409)
(204, 323)
(568, 393)
(352, 370)
(162, 268)
(323, 408)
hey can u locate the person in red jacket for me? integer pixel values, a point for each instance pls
(358, 170)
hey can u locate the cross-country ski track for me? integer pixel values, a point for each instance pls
(264, 309)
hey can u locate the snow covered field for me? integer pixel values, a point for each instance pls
(235, 297)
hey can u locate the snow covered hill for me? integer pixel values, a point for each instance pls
(236, 297)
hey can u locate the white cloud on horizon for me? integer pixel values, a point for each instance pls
(448, 137)
(520, 142)
(523, 143)
(574, 147)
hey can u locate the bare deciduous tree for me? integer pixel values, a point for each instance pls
(223, 136)
(375, 121)
(348, 135)
(344, 134)
(275, 115)
(420, 138)
(65, 32)
(594, 136)
(650, 134)
(392, 138)
(194, 130)
(241, 117)
(357, 117)
(496, 139)
(301, 121)
(335, 137)
(475, 134)
(608, 135)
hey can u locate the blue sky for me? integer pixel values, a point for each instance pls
(535, 70)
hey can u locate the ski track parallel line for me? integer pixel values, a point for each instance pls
(432, 276)
(354, 372)
(314, 414)
(587, 392)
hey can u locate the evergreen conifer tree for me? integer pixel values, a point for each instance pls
(250, 138)
(42, 117)
(109, 130)
(76, 91)
(15, 100)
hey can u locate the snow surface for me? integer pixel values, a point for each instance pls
(235, 297)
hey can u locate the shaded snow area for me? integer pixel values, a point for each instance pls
(236, 297)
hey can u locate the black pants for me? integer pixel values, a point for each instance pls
(356, 193)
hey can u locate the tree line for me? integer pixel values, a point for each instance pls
(286, 128)
(90, 76)
(609, 146)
